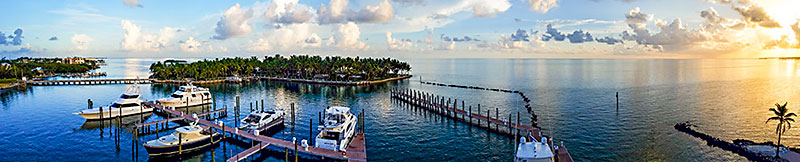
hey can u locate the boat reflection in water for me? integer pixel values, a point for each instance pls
(185, 139)
(125, 121)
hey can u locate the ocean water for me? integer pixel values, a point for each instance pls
(573, 98)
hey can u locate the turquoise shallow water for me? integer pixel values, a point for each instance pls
(574, 99)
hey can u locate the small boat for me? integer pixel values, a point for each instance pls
(127, 104)
(188, 95)
(339, 127)
(262, 120)
(533, 151)
(184, 140)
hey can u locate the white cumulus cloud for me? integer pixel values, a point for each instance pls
(81, 42)
(233, 23)
(346, 36)
(542, 6)
(134, 39)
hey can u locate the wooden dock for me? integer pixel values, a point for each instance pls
(355, 152)
(445, 107)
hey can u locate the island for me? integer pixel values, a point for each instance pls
(295, 68)
(23, 68)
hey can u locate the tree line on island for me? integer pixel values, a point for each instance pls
(37, 67)
(297, 67)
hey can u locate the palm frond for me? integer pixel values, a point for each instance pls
(773, 118)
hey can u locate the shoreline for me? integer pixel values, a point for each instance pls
(311, 81)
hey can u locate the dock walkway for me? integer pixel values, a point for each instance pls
(355, 152)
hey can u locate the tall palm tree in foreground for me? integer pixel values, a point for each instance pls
(784, 118)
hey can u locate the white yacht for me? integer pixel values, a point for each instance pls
(188, 95)
(339, 127)
(533, 151)
(185, 139)
(127, 104)
(261, 120)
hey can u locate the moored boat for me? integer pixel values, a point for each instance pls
(339, 127)
(533, 151)
(262, 120)
(184, 140)
(127, 104)
(188, 95)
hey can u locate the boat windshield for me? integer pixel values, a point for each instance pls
(331, 135)
(252, 119)
(177, 96)
(117, 105)
(125, 96)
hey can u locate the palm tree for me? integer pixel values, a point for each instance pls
(784, 118)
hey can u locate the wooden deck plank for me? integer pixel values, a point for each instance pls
(246, 153)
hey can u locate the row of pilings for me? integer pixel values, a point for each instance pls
(534, 118)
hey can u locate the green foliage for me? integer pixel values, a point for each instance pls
(8, 80)
(303, 66)
(19, 69)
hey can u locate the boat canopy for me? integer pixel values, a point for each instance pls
(337, 110)
(534, 150)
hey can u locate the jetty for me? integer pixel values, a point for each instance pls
(87, 82)
(356, 151)
(506, 126)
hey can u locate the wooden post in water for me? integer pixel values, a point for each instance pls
(469, 114)
(292, 106)
(496, 116)
(518, 124)
(251, 106)
(617, 100)
(462, 109)
(262, 105)
(180, 144)
(310, 129)
(488, 125)
(286, 154)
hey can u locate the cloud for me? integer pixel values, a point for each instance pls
(410, 2)
(579, 37)
(520, 39)
(233, 23)
(337, 12)
(398, 44)
(609, 40)
(446, 45)
(134, 39)
(293, 36)
(190, 45)
(23, 50)
(54, 38)
(346, 36)
(383, 12)
(757, 15)
(132, 3)
(542, 6)
(261, 45)
(552, 33)
(479, 8)
(288, 12)
(80, 42)
(15, 38)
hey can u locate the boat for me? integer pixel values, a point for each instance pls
(127, 104)
(185, 139)
(339, 127)
(533, 151)
(261, 120)
(188, 95)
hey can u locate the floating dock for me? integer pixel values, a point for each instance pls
(355, 152)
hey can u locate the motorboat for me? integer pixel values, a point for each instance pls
(127, 104)
(262, 120)
(185, 139)
(188, 95)
(339, 127)
(533, 151)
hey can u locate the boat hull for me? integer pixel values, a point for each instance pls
(115, 113)
(187, 147)
(179, 104)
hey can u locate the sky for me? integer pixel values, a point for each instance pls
(403, 28)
